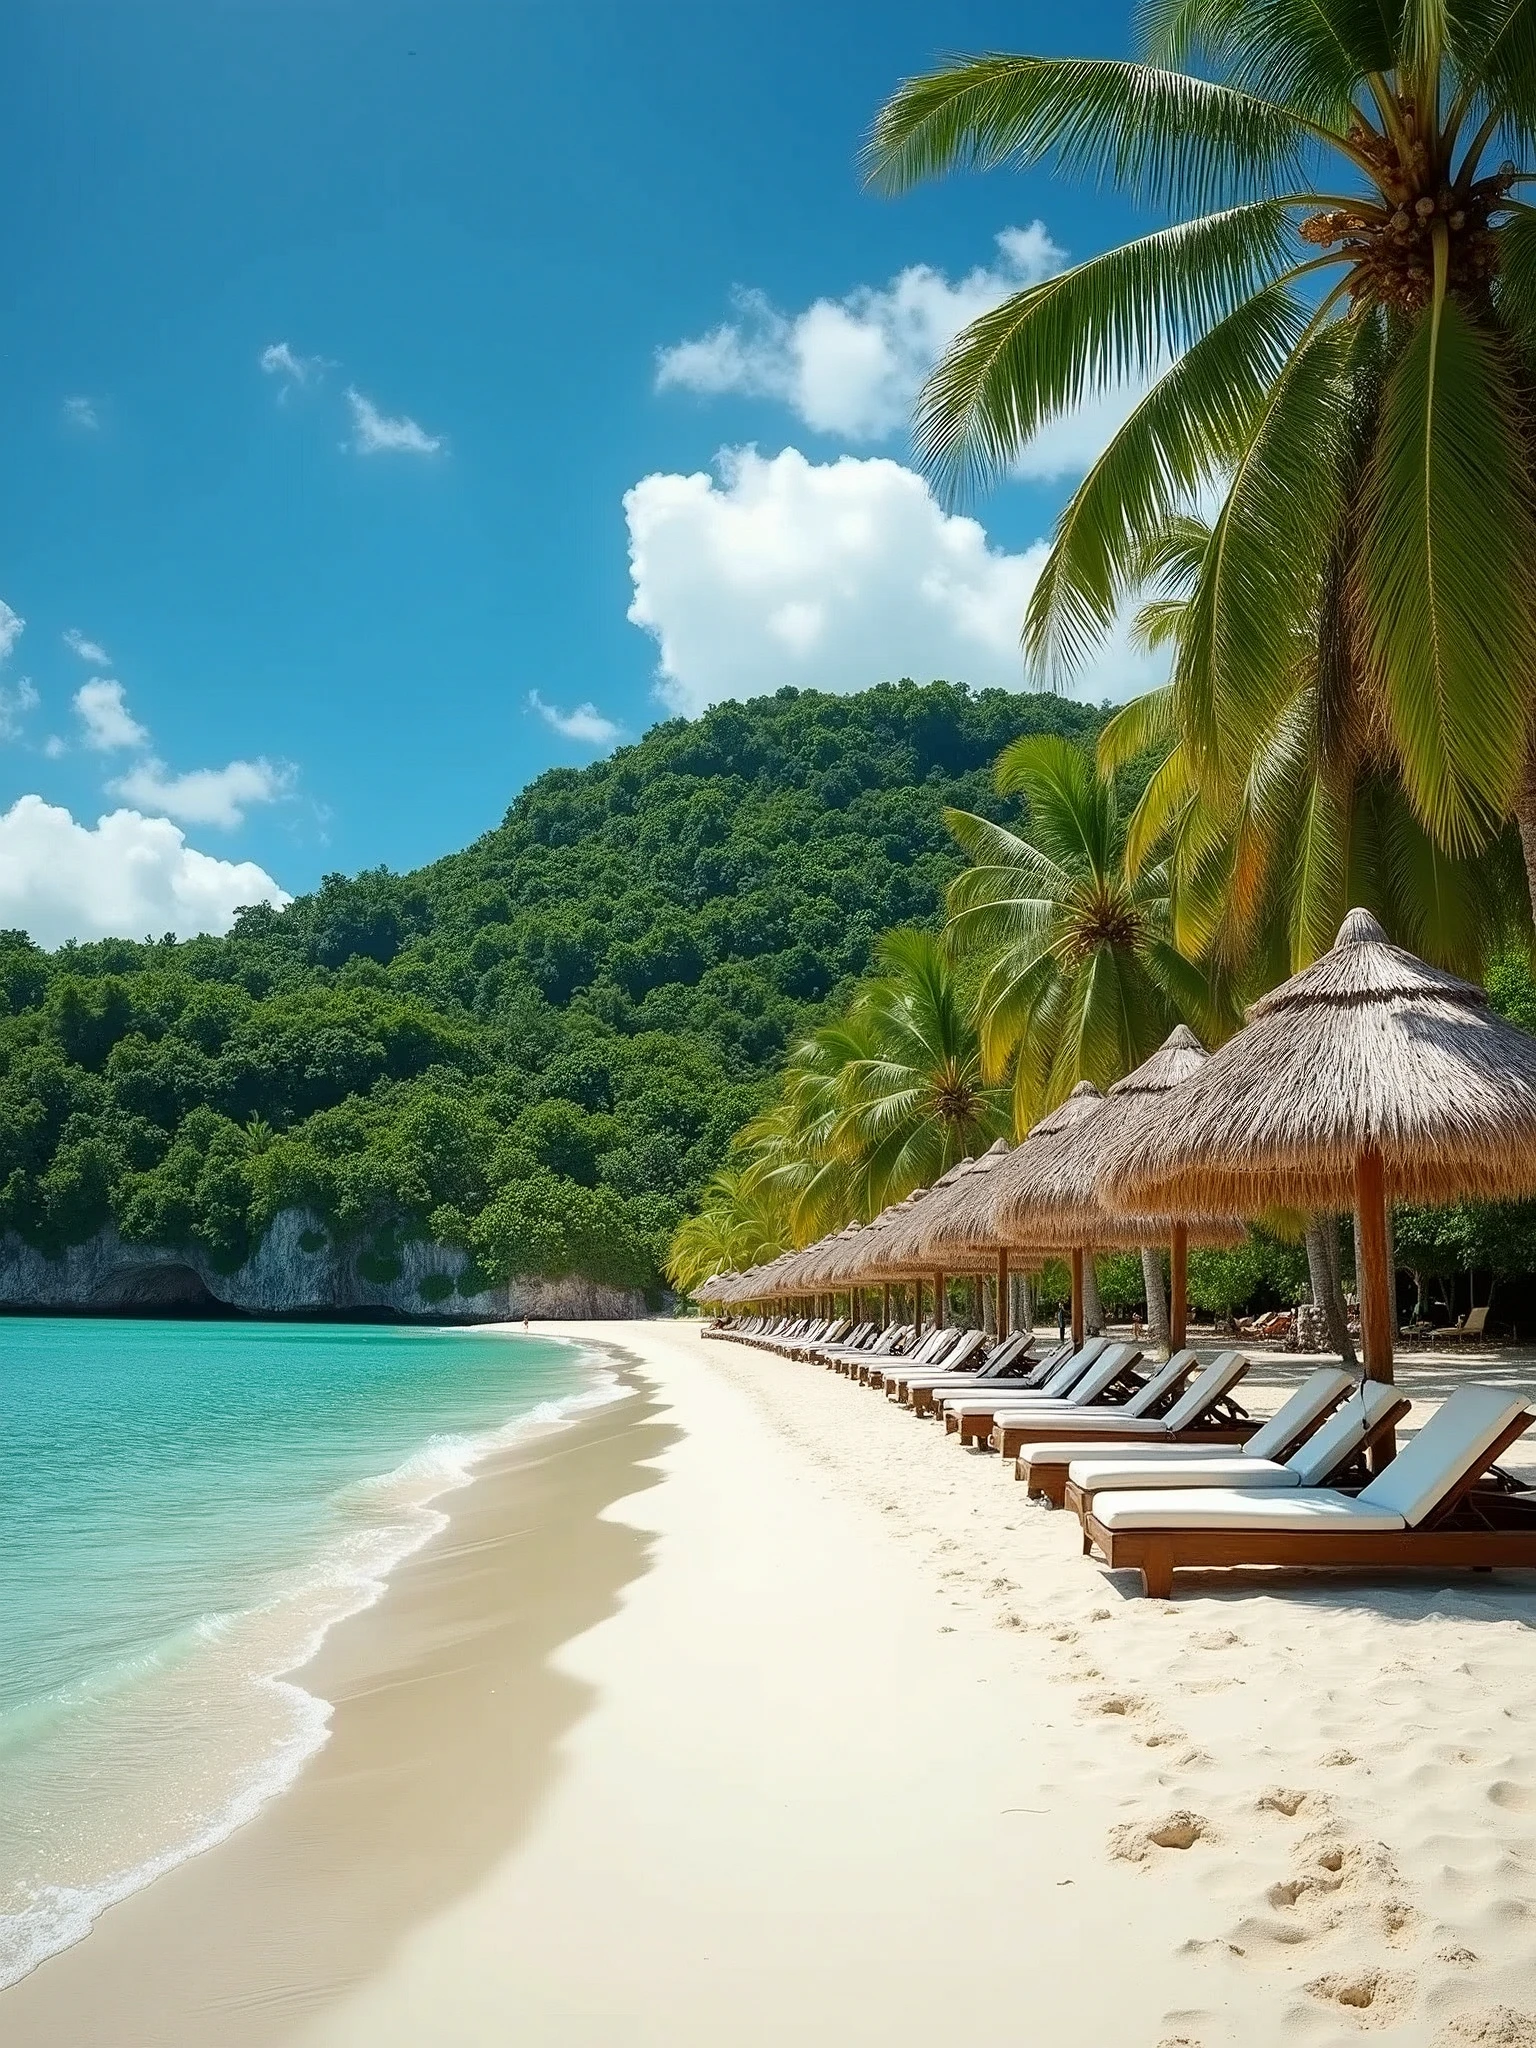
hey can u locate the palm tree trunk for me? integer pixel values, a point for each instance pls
(1525, 818)
(1157, 1299)
(1323, 1267)
(1022, 1312)
(1093, 1308)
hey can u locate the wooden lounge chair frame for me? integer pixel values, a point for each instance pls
(1229, 1423)
(972, 1421)
(1473, 1528)
(1347, 1476)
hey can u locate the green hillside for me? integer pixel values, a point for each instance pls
(537, 1048)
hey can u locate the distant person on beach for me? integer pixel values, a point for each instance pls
(1061, 1322)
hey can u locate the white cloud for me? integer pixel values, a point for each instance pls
(853, 366)
(375, 433)
(204, 796)
(88, 650)
(103, 710)
(15, 703)
(81, 412)
(585, 723)
(278, 359)
(12, 626)
(128, 876)
(828, 576)
(54, 747)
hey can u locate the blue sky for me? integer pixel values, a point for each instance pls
(349, 351)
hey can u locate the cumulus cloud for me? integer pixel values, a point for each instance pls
(204, 796)
(12, 626)
(280, 360)
(81, 412)
(103, 711)
(375, 433)
(88, 650)
(853, 366)
(585, 723)
(128, 876)
(828, 576)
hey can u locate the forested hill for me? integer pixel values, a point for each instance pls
(537, 1048)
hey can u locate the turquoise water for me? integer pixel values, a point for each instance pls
(187, 1507)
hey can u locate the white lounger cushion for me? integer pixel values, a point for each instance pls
(1107, 1472)
(1276, 1509)
(1124, 1455)
(1340, 1436)
(1460, 1433)
(1318, 1393)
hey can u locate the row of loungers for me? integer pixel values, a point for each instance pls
(1166, 1471)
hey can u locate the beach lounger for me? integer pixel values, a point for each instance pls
(1044, 1466)
(1008, 1364)
(1472, 1325)
(957, 1357)
(1059, 1378)
(1425, 1512)
(970, 1417)
(1040, 1371)
(1164, 1386)
(921, 1391)
(1331, 1456)
(1204, 1411)
(925, 1357)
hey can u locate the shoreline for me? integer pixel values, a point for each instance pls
(750, 1709)
(390, 1516)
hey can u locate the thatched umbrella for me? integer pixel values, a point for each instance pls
(1013, 1205)
(1075, 1168)
(1367, 1078)
(923, 1242)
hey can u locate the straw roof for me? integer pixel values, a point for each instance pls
(1075, 1164)
(1016, 1204)
(1369, 1049)
(908, 1247)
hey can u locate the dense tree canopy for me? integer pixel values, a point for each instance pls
(538, 1048)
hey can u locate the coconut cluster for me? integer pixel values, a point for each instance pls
(1391, 244)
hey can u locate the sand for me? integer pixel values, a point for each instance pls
(754, 1710)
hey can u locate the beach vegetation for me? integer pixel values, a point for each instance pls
(1328, 336)
(536, 1050)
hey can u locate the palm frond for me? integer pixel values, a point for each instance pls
(1448, 576)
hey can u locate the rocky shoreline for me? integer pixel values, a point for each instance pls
(296, 1270)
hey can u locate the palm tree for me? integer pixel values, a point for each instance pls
(913, 1098)
(736, 1228)
(1335, 336)
(1309, 818)
(1080, 979)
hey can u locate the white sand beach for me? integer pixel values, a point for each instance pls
(755, 1710)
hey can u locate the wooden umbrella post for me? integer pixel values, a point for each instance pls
(1078, 1332)
(1002, 1295)
(1377, 1307)
(1178, 1287)
(939, 1303)
(917, 1312)
(885, 1306)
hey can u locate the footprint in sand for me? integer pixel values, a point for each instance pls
(1283, 1799)
(1135, 1841)
(1375, 1998)
(1337, 1759)
(1517, 1798)
(1123, 1704)
(1216, 1639)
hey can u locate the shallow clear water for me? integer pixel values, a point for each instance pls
(186, 1508)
